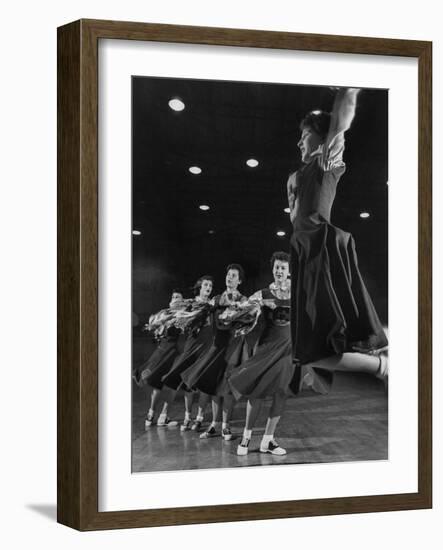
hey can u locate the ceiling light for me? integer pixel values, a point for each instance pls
(281, 233)
(252, 163)
(211, 232)
(136, 232)
(204, 207)
(176, 104)
(287, 210)
(364, 215)
(195, 170)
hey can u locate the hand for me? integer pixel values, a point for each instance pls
(269, 303)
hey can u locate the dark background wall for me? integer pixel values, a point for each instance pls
(223, 124)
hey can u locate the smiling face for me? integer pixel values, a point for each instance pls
(309, 143)
(232, 279)
(280, 271)
(205, 288)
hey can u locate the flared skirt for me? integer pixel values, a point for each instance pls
(331, 310)
(269, 371)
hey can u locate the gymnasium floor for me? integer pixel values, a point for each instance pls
(348, 424)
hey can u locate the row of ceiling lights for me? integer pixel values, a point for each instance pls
(205, 208)
(177, 105)
(196, 170)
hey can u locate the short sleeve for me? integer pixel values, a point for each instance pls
(332, 154)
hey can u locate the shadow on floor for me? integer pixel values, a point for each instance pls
(48, 511)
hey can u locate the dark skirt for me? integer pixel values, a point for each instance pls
(195, 346)
(331, 310)
(158, 364)
(269, 371)
(211, 371)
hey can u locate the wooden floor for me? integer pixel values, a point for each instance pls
(349, 424)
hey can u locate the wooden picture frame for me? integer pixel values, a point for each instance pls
(78, 274)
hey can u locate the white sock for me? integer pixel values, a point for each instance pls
(215, 425)
(225, 425)
(151, 412)
(266, 439)
(162, 417)
(247, 434)
(187, 416)
(199, 418)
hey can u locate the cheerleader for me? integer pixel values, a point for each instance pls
(270, 370)
(332, 313)
(209, 374)
(199, 339)
(152, 371)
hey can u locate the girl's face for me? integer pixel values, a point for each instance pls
(176, 296)
(232, 279)
(280, 271)
(308, 143)
(206, 288)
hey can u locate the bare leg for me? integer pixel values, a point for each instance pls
(252, 411)
(228, 406)
(268, 444)
(155, 394)
(277, 407)
(216, 410)
(168, 396)
(355, 362)
(149, 420)
(189, 399)
(202, 402)
(216, 418)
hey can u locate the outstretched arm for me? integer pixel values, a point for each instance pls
(343, 112)
(342, 115)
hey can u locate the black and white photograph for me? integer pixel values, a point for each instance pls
(259, 274)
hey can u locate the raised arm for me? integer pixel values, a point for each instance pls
(343, 112)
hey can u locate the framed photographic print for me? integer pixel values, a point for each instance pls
(244, 280)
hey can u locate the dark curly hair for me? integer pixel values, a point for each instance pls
(196, 288)
(241, 271)
(282, 256)
(319, 121)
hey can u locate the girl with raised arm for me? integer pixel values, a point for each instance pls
(331, 311)
(270, 370)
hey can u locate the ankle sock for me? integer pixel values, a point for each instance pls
(266, 439)
(247, 434)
